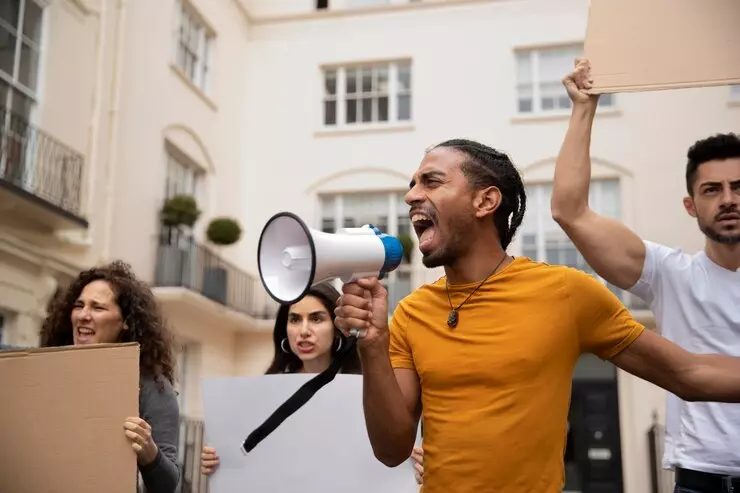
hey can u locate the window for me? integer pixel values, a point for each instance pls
(194, 43)
(20, 39)
(735, 92)
(539, 76)
(322, 4)
(543, 240)
(182, 178)
(385, 210)
(367, 94)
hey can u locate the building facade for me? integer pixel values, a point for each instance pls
(109, 108)
(323, 108)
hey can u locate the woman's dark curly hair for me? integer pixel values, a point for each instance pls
(139, 310)
(283, 362)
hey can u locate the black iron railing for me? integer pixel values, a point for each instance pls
(37, 163)
(190, 445)
(184, 263)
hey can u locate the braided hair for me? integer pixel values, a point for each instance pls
(487, 167)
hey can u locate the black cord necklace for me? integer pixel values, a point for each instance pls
(453, 317)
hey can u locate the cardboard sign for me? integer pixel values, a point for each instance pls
(323, 447)
(642, 45)
(61, 420)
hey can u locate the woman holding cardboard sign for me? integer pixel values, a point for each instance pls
(305, 340)
(109, 305)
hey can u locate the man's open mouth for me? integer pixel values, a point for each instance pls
(425, 228)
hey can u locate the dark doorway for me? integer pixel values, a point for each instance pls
(593, 456)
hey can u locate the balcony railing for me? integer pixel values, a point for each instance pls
(38, 164)
(181, 262)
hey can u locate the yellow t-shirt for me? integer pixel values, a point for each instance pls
(495, 390)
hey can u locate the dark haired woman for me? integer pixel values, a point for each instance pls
(109, 305)
(305, 339)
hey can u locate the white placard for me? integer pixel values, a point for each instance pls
(322, 448)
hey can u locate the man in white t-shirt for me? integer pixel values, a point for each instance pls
(695, 298)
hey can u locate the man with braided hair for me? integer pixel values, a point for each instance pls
(488, 350)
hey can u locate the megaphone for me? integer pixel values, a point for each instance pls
(292, 257)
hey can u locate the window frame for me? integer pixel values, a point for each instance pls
(174, 157)
(195, 172)
(393, 93)
(13, 79)
(19, 90)
(200, 56)
(606, 101)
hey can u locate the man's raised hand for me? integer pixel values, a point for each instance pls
(579, 81)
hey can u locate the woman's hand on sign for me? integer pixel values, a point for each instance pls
(139, 434)
(209, 460)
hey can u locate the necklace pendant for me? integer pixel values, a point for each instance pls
(452, 319)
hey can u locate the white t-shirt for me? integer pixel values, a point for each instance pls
(697, 306)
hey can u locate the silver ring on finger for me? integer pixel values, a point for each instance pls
(359, 333)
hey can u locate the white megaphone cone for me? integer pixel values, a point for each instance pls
(293, 257)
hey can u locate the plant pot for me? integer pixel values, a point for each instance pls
(215, 283)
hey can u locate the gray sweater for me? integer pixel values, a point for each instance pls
(159, 408)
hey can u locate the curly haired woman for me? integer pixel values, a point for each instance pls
(109, 305)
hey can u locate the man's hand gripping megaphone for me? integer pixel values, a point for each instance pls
(362, 311)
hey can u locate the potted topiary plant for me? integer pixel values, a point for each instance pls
(407, 242)
(221, 231)
(179, 214)
(179, 211)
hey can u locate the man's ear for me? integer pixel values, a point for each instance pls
(688, 204)
(486, 201)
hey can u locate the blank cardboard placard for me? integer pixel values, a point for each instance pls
(323, 447)
(61, 421)
(644, 45)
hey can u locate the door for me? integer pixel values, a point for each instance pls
(594, 425)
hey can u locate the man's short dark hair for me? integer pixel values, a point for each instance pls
(716, 147)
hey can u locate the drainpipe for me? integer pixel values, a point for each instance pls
(112, 161)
